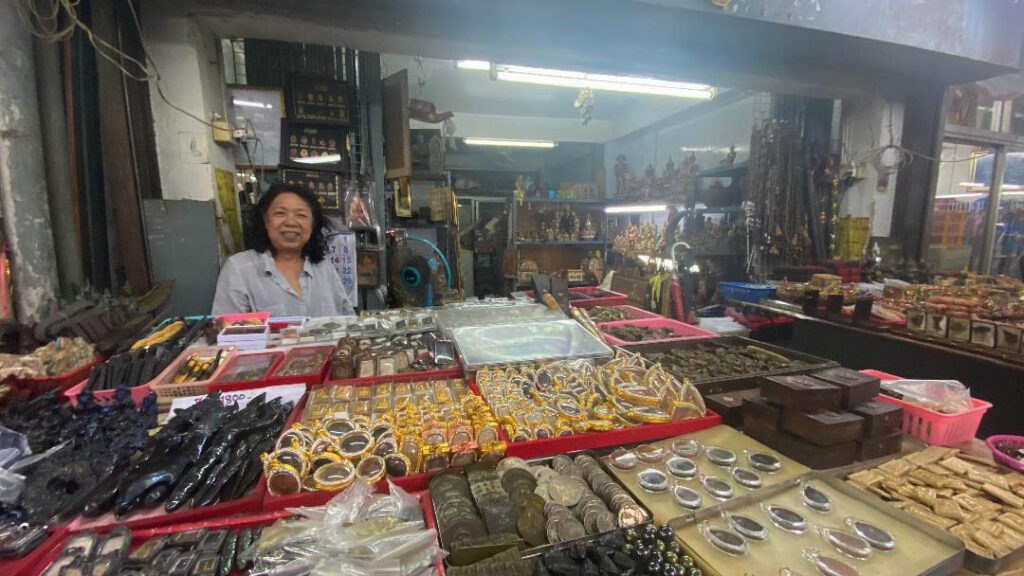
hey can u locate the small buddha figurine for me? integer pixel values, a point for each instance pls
(670, 170)
(589, 233)
(730, 157)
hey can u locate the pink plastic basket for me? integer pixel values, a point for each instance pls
(608, 299)
(1017, 441)
(139, 393)
(682, 331)
(935, 427)
(637, 313)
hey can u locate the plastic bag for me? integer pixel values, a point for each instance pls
(945, 396)
(357, 533)
(359, 206)
(11, 485)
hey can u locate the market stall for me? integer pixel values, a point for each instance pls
(499, 435)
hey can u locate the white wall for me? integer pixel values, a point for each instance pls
(707, 136)
(190, 76)
(866, 125)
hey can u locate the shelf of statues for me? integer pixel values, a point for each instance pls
(560, 225)
(674, 183)
(642, 239)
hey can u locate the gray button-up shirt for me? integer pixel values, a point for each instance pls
(251, 282)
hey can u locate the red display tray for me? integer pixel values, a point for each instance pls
(309, 379)
(403, 377)
(612, 299)
(231, 385)
(26, 388)
(622, 437)
(156, 517)
(411, 483)
(33, 562)
(141, 535)
(681, 330)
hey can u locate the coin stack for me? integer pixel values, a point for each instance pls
(457, 518)
(579, 497)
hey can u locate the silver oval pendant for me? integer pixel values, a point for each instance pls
(653, 480)
(846, 543)
(686, 448)
(725, 540)
(720, 456)
(686, 497)
(764, 461)
(717, 487)
(746, 477)
(784, 518)
(747, 527)
(829, 566)
(816, 499)
(681, 467)
(875, 536)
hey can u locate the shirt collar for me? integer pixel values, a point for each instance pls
(268, 265)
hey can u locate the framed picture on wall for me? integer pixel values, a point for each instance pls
(325, 185)
(259, 111)
(319, 99)
(314, 146)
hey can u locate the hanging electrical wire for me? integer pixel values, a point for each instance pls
(44, 18)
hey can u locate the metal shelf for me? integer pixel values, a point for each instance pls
(598, 201)
(724, 171)
(559, 243)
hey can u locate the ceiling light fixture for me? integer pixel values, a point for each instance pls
(633, 84)
(964, 195)
(329, 159)
(251, 104)
(635, 208)
(510, 143)
(473, 64)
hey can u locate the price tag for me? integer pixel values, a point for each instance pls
(287, 393)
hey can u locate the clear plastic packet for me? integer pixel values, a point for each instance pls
(11, 485)
(359, 206)
(945, 396)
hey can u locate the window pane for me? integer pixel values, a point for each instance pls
(958, 215)
(1009, 246)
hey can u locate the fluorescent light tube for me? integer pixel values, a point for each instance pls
(251, 104)
(633, 84)
(635, 208)
(329, 159)
(473, 64)
(964, 195)
(510, 143)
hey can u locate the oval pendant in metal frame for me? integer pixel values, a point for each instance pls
(846, 543)
(816, 499)
(724, 539)
(720, 456)
(874, 535)
(746, 477)
(829, 566)
(784, 518)
(717, 487)
(686, 497)
(746, 526)
(681, 467)
(764, 461)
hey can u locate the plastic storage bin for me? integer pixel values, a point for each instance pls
(745, 291)
(934, 427)
(266, 361)
(139, 393)
(165, 388)
(682, 331)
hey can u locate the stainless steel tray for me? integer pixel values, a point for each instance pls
(921, 548)
(720, 384)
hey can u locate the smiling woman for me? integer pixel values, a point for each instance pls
(285, 273)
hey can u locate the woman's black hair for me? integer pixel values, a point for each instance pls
(316, 248)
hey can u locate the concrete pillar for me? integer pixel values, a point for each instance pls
(23, 196)
(63, 204)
